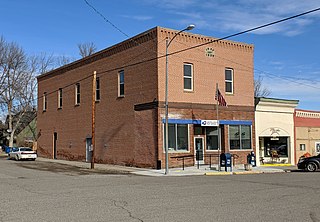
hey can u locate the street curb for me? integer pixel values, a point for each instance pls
(218, 173)
(273, 165)
(248, 172)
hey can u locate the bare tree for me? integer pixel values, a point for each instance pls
(18, 83)
(259, 89)
(62, 60)
(86, 49)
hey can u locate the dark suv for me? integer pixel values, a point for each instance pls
(309, 163)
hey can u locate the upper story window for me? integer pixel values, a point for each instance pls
(97, 89)
(60, 98)
(44, 101)
(77, 94)
(188, 77)
(121, 83)
(229, 80)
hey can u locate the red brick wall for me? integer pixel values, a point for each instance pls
(135, 138)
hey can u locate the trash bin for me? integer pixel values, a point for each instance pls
(158, 164)
(251, 159)
(8, 149)
(225, 161)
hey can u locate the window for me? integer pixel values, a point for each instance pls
(178, 139)
(278, 145)
(121, 84)
(97, 89)
(240, 137)
(45, 101)
(212, 138)
(302, 147)
(187, 77)
(77, 94)
(229, 80)
(60, 98)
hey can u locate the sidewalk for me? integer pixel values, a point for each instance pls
(188, 171)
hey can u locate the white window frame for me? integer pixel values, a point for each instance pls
(317, 147)
(229, 81)
(44, 102)
(98, 92)
(188, 77)
(60, 98)
(77, 92)
(120, 83)
(172, 150)
(241, 149)
(302, 147)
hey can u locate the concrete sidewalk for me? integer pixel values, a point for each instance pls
(187, 171)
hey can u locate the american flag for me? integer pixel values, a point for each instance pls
(220, 99)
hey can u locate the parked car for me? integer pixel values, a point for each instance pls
(22, 153)
(309, 163)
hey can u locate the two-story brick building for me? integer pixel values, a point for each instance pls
(130, 95)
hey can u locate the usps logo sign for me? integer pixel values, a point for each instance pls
(209, 123)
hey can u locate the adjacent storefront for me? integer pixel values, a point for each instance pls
(275, 130)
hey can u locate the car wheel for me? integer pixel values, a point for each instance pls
(311, 167)
(16, 157)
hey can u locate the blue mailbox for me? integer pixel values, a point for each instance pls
(251, 159)
(226, 161)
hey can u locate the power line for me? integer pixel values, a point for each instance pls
(179, 51)
(216, 40)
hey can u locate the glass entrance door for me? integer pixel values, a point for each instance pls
(198, 146)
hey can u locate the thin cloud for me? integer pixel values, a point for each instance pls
(138, 17)
(239, 15)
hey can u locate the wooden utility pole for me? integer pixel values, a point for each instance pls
(93, 117)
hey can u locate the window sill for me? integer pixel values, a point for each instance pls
(44, 111)
(245, 150)
(120, 97)
(77, 105)
(179, 151)
(188, 90)
(97, 101)
(59, 108)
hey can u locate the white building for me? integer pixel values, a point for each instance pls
(274, 127)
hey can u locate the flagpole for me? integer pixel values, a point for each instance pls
(217, 108)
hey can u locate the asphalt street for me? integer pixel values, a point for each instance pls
(31, 191)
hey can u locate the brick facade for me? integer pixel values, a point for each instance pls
(307, 132)
(129, 129)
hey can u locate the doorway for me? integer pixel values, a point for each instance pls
(55, 138)
(88, 149)
(198, 148)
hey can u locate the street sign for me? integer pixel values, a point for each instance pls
(209, 122)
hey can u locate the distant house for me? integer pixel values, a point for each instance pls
(130, 98)
(307, 132)
(28, 135)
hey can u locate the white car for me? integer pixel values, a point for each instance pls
(22, 153)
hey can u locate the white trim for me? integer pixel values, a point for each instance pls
(188, 77)
(229, 81)
(195, 150)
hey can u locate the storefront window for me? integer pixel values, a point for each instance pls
(240, 137)
(178, 137)
(276, 145)
(212, 138)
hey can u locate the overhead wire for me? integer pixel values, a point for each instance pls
(176, 52)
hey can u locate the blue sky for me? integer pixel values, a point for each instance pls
(286, 55)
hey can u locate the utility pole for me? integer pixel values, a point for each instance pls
(93, 117)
